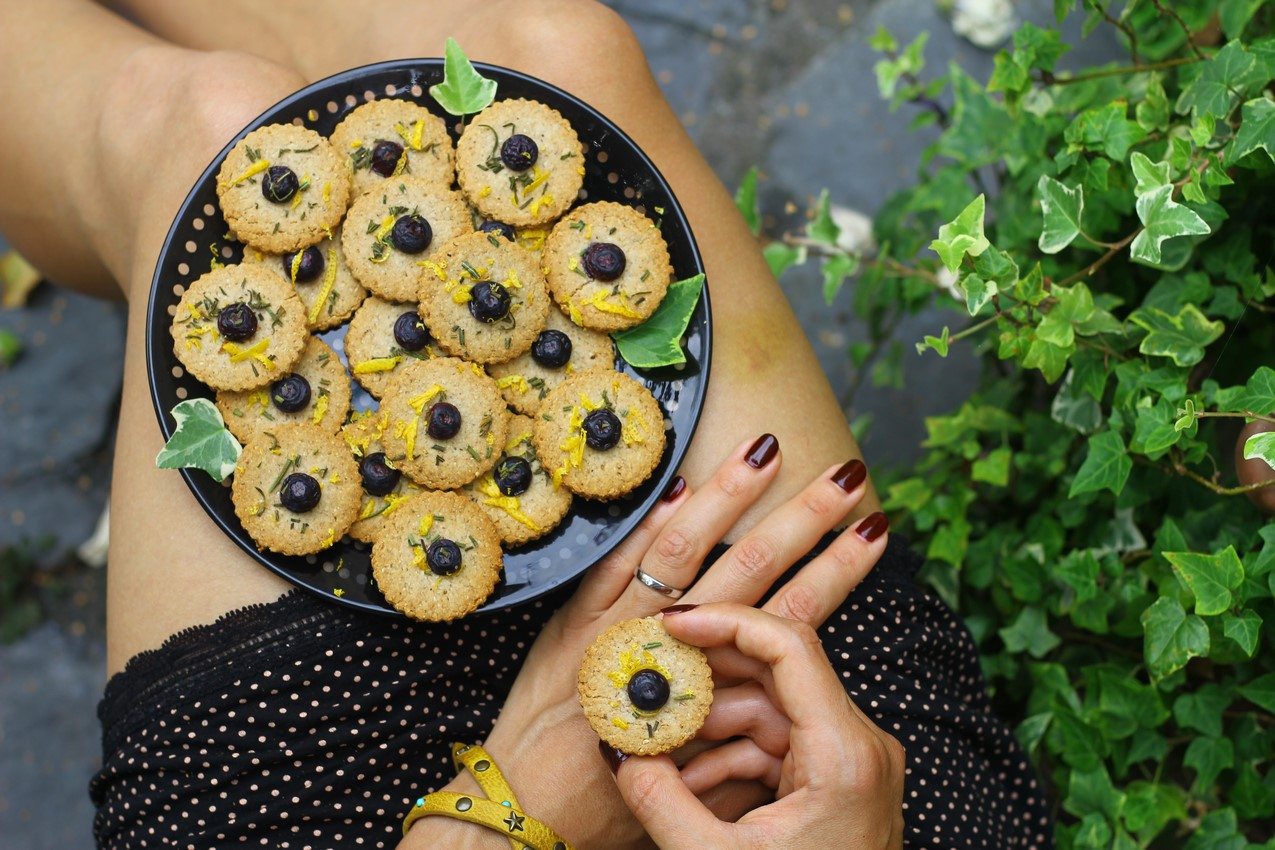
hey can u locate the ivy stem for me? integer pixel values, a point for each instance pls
(1190, 39)
(1088, 270)
(1238, 414)
(823, 249)
(1047, 78)
(974, 328)
(1126, 29)
(1218, 488)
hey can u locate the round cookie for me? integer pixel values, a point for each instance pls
(418, 144)
(266, 469)
(538, 191)
(321, 277)
(253, 360)
(451, 303)
(606, 302)
(374, 353)
(278, 211)
(667, 704)
(401, 561)
(410, 402)
(528, 506)
(563, 426)
(363, 436)
(325, 400)
(369, 236)
(525, 381)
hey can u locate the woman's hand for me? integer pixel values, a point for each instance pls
(841, 783)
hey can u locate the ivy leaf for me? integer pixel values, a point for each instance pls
(1149, 175)
(938, 343)
(1181, 338)
(1062, 207)
(977, 292)
(962, 235)
(1202, 710)
(835, 271)
(1209, 757)
(1244, 629)
(882, 41)
(200, 441)
(1214, 91)
(1105, 129)
(1217, 831)
(1030, 632)
(1261, 446)
(1106, 466)
(1261, 691)
(1062, 8)
(1074, 407)
(822, 228)
(910, 61)
(1256, 396)
(993, 469)
(1257, 130)
(1211, 577)
(463, 90)
(746, 201)
(658, 341)
(1163, 218)
(1186, 417)
(1172, 637)
(1152, 112)
(780, 257)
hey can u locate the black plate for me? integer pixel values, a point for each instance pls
(615, 170)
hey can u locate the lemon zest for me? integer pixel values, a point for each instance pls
(632, 661)
(516, 381)
(369, 508)
(426, 523)
(251, 171)
(619, 723)
(377, 364)
(436, 268)
(329, 540)
(544, 200)
(462, 294)
(257, 352)
(320, 410)
(329, 281)
(418, 403)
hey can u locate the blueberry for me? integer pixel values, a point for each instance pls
(237, 322)
(279, 184)
(498, 227)
(444, 421)
(603, 261)
(552, 349)
(290, 393)
(513, 476)
(443, 557)
(648, 690)
(299, 493)
(379, 478)
(410, 332)
(310, 267)
(602, 429)
(411, 234)
(519, 152)
(385, 158)
(488, 301)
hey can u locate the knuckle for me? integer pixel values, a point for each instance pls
(868, 765)
(644, 792)
(733, 480)
(817, 502)
(842, 553)
(800, 602)
(754, 557)
(675, 545)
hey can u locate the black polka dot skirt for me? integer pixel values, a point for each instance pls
(300, 724)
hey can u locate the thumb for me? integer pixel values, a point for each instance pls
(674, 817)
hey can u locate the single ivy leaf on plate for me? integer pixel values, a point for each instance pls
(463, 90)
(658, 341)
(200, 441)
(1061, 207)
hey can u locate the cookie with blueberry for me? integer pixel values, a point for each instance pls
(296, 489)
(483, 298)
(519, 162)
(385, 487)
(239, 327)
(437, 558)
(320, 276)
(607, 266)
(446, 422)
(383, 336)
(518, 493)
(282, 188)
(642, 690)
(391, 230)
(560, 350)
(390, 137)
(600, 434)
(316, 391)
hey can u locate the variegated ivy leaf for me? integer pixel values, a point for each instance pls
(200, 441)
(962, 235)
(1261, 446)
(1149, 175)
(463, 90)
(1163, 218)
(1062, 207)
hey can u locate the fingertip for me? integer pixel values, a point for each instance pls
(872, 527)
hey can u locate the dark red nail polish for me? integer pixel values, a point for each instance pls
(851, 474)
(677, 609)
(762, 452)
(872, 526)
(675, 489)
(613, 757)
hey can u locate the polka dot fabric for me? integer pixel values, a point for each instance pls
(299, 724)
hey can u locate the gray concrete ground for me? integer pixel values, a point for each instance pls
(786, 85)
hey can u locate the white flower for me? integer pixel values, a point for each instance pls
(985, 23)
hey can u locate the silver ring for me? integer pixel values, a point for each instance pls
(657, 585)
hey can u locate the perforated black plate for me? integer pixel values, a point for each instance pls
(615, 170)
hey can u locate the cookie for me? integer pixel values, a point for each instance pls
(518, 493)
(483, 298)
(392, 229)
(282, 187)
(385, 488)
(446, 422)
(607, 266)
(437, 558)
(519, 161)
(388, 138)
(382, 336)
(239, 327)
(296, 489)
(642, 690)
(321, 277)
(560, 350)
(315, 391)
(599, 433)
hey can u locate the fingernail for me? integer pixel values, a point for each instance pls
(762, 452)
(675, 489)
(678, 609)
(613, 757)
(872, 526)
(851, 474)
